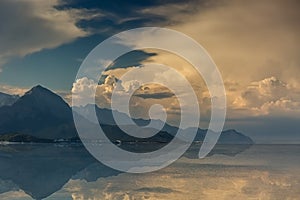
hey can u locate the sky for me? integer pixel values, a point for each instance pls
(255, 45)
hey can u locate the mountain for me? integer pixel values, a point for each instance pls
(106, 117)
(234, 137)
(42, 116)
(39, 113)
(7, 100)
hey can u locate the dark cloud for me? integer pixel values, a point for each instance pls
(121, 15)
(30, 26)
(155, 95)
(131, 59)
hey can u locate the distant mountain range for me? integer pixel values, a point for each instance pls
(6, 99)
(42, 116)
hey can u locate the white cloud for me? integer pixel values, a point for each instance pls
(131, 85)
(83, 91)
(30, 26)
(87, 91)
(266, 90)
(269, 96)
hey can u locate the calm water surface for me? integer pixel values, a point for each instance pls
(232, 172)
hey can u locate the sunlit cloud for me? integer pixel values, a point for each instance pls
(13, 90)
(253, 45)
(269, 96)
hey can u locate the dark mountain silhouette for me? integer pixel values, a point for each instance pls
(42, 115)
(39, 113)
(105, 116)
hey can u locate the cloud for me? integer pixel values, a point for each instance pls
(266, 90)
(254, 45)
(83, 91)
(158, 95)
(269, 96)
(249, 42)
(87, 91)
(281, 106)
(154, 92)
(30, 26)
(8, 89)
(133, 58)
(258, 36)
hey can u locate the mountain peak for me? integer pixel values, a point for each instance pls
(38, 111)
(39, 88)
(41, 93)
(40, 97)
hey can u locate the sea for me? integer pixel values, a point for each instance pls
(68, 171)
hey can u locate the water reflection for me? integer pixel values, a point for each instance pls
(42, 169)
(268, 172)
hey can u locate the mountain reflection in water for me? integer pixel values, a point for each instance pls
(43, 169)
